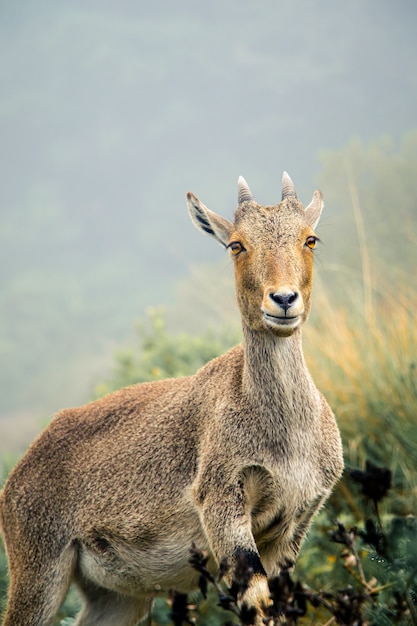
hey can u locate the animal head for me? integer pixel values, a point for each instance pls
(272, 250)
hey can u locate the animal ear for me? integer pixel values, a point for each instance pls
(207, 221)
(314, 209)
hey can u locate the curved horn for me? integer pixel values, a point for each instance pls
(244, 193)
(288, 189)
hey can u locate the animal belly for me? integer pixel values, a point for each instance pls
(131, 569)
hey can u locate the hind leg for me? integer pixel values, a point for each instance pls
(108, 608)
(36, 593)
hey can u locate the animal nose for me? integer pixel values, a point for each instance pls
(284, 300)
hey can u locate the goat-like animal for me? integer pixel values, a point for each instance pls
(236, 458)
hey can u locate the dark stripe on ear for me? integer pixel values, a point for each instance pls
(202, 220)
(199, 210)
(205, 224)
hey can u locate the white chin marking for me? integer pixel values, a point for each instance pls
(283, 323)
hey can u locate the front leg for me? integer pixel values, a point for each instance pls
(303, 522)
(281, 541)
(226, 521)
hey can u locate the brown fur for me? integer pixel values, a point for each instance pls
(236, 458)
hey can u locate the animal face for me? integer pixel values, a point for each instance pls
(272, 249)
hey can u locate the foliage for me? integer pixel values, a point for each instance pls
(371, 578)
(361, 346)
(120, 107)
(371, 212)
(366, 368)
(163, 354)
(351, 575)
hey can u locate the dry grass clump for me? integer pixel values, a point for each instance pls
(366, 366)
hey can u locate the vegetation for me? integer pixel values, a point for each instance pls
(164, 355)
(358, 565)
(111, 111)
(108, 114)
(366, 368)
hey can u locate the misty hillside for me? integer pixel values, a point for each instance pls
(110, 111)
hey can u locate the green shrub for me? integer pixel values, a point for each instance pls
(366, 368)
(161, 354)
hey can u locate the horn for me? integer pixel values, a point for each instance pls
(288, 189)
(244, 193)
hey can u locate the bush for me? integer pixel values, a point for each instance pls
(161, 354)
(365, 367)
(351, 575)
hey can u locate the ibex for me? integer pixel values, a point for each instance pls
(236, 458)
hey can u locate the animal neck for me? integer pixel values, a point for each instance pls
(275, 372)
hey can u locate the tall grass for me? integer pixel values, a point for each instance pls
(366, 366)
(361, 347)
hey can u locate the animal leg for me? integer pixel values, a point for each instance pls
(107, 608)
(227, 526)
(36, 593)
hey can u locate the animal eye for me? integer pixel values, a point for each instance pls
(311, 242)
(235, 248)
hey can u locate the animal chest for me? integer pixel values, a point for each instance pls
(283, 492)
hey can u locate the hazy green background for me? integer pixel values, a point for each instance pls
(110, 111)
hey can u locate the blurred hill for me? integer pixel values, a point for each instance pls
(110, 111)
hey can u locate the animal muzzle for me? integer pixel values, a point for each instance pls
(283, 308)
